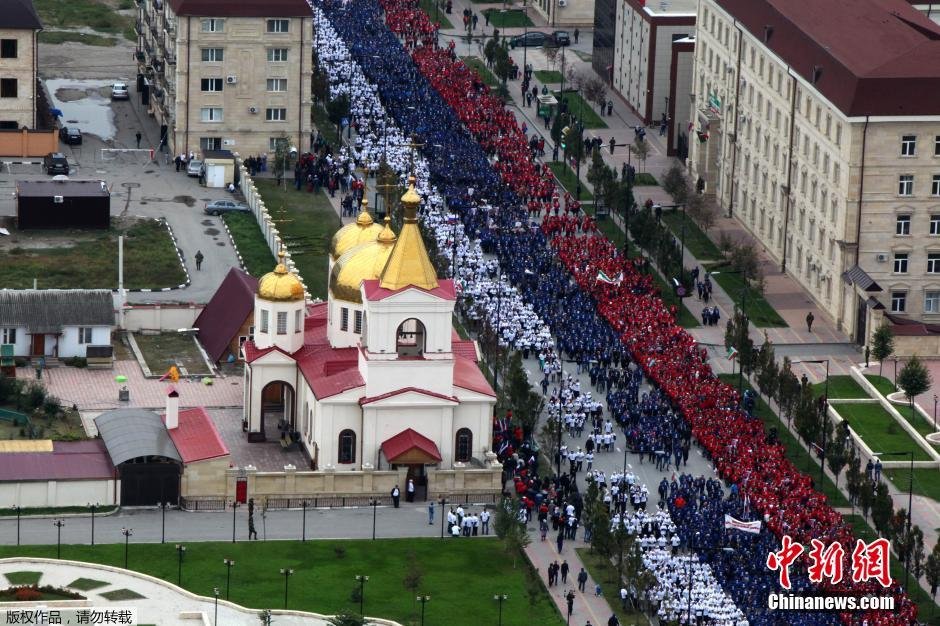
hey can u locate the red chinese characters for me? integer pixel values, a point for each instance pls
(826, 562)
(782, 560)
(871, 561)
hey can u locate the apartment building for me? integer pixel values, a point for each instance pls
(816, 124)
(223, 75)
(19, 28)
(565, 13)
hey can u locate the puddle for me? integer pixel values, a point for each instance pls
(207, 222)
(187, 200)
(83, 102)
(221, 244)
(211, 231)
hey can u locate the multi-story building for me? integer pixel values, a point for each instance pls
(817, 125)
(567, 13)
(223, 75)
(19, 27)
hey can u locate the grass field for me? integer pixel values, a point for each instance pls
(89, 13)
(696, 241)
(461, 576)
(795, 452)
(162, 351)
(85, 260)
(840, 387)
(250, 243)
(62, 36)
(322, 123)
(23, 578)
(62, 510)
(604, 571)
(307, 222)
(569, 180)
(479, 66)
(645, 179)
(882, 384)
(757, 308)
(436, 13)
(878, 429)
(578, 107)
(548, 76)
(926, 481)
(512, 18)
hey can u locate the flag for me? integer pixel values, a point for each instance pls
(732, 353)
(604, 278)
(747, 527)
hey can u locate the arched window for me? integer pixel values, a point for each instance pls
(464, 447)
(347, 446)
(409, 338)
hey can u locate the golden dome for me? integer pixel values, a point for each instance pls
(280, 285)
(363, 262)
(363, 230)
(409, 263)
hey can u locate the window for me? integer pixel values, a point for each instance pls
(357, 323)
(935, 225)
(211, 114)
(463, 449)
(344, 319)
(933, 262)
(212, 55)
(211, 84)
(906, 185)
(277, 55)
(84, 335)
(908, 145)
(7, 87)
(932, 302)
(278, 26)
(900, 262)
(898, 301)
(282, 322)
(936, 145)
(264, 320)
(8, 49)
(277, 84)
(7, 335)
(935, 185)
(275, 115)
(275, 142)
(347, 447)
(213, 25)
(298, 321)
(902, 225)
(207, 144)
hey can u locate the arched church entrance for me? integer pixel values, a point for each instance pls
(415, 452)
(277, 412)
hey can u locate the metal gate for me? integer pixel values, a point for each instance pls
(148, 484)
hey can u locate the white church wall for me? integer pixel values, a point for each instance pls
(273, 367)
(386, 376)
(477, 416)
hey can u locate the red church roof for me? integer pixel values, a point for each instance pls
(408, 440)
(375, 292)
(196, 438)
(226, 312)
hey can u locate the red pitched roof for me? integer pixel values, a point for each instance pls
(463, 348)
(230, 306)
(468, 376)
(407, 440)
(196, 438)
(397, 392)
(375, 292)
(241, 8)
(69, 460)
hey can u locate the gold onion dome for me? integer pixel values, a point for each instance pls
(363, 262)
(363, 230)
(409, 264)
(280, 285)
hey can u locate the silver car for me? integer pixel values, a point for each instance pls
(194, 168)
(219, 207)
(119, 91)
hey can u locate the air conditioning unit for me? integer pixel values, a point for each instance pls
(252, 109)
(881, 257)
(231, 80)
(228, 142)
(562, 3)
(58, 199)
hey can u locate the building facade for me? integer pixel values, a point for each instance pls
(56, 323)
(827, 149)
(220, 75)
(19, 29)
(567, 13)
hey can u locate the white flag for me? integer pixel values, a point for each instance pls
(736, 524)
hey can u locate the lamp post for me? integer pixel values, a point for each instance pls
(935, 411)
(744, 312)
(58, 541)
(910, 505)
(500, 598)
(303, 524)
(127, 532)
(229, 564)
(823, 418)
(362, 579)
(499, 302)
(374, 503)
(286, 573)
(180, 551)
(215, 592)
(895, 373)
(234, 509)
(525, 48)
(163, 506)
(443, 503)
(18, 510)
(423, 600)
(94, 507)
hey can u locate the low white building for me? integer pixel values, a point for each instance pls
(44, 473)
(57, 323)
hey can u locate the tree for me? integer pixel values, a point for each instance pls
(854, 477)
(551, 54)
(641, 149)
(914, 379)
(412, 579)
(525, 403)
(933, 570)
(881, 509)
(768, 375)
(882, 344)
(866, 495)
(807, 417)
(838, 450)
(701, 212)
(346, 619)
(676, 183)
(788, 389)
(513, 534)
(337, 109)
(595, 90)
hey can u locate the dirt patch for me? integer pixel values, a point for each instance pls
(187, 200)
(70, 94)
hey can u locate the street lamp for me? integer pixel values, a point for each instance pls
(58, 542)
(229, 564)
(94, 507)
(18, 510)
(374, 503)
(286, 573)
(234, 509)
(895, 373)
(180, 550)
(500, 598)
(163, 506)
(443, 503)
(423, 600)
(743, 275)
(361, 579)
(910, 505)
(824, 419)
(935, 411)
(127, 532)
(303, 524)
(215, 592)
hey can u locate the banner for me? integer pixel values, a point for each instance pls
(604, 278)
(736, 524)
(732, 353)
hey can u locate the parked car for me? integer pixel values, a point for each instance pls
(119, 91)
(561, 38)
(219, 207)
(70, 135)
(533, 39)
(55, 163)
(194, 168)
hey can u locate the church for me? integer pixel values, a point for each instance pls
(375, 378)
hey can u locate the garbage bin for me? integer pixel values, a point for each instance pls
(124, 395)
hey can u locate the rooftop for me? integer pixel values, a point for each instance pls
(68, 460)
(48, 310)
(241, 8)
(223, 317)
(19, 14)
(196, 438)
(73, 188)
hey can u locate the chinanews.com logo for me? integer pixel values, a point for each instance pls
(870, 561)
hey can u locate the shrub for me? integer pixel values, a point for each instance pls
(33, 398)
(9, 388)
(340, 552)
(51, 406)
(76, 361)
(27, 594)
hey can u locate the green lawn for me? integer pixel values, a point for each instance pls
(250, 243)
(578, 107)
(548, 77)
(87, 584)
(756, 307)
(569, 180)
(92, 14)
(795, 452)
(921, 425)
(62, 36)
(162, 351)
(436, 13)
(479, 66)
(307, 222)
(840, 387)
(605, 572)
(512, 18)
(88, 259)
(62, 510)
(882, 384)
(23, 578)
(697, 242)
(878, 429)
(321, 122)
(645, 180)
(926, 481)
(460, 575)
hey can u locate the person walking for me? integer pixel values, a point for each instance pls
(138, 136)
(431, 513)
(613, 144)
(410, 491)
(569, 598)
(582, 580)
(809, 321)
(577, 33)
(199, 257)
(252, 531)
(396, 496)
(485, 521)
(877, 470)
(560, 540)
(564, 572)
(178, 161)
